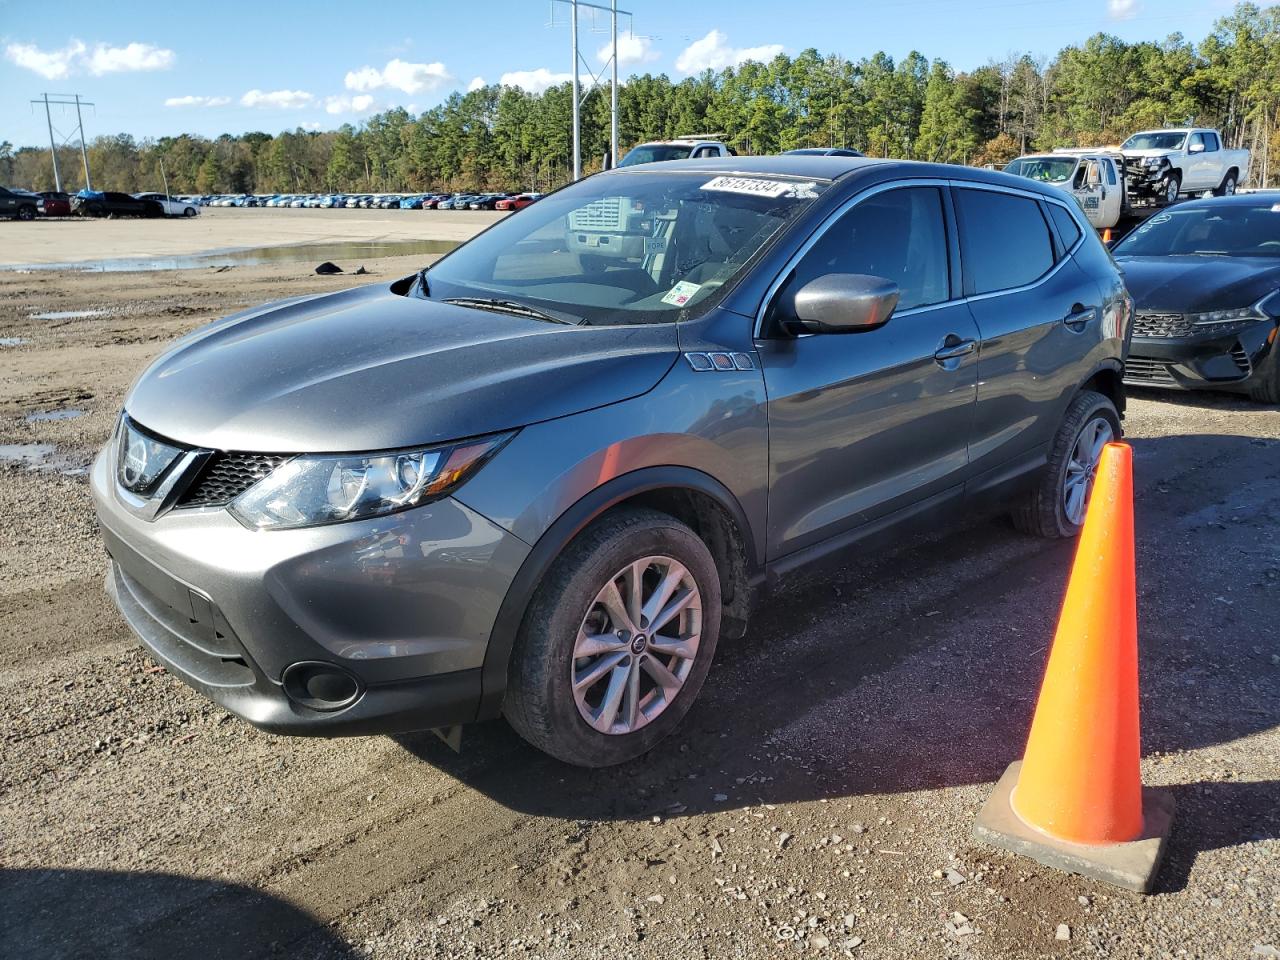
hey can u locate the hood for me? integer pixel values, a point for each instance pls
(1138, 154)
(1193, 284)
(366, 369)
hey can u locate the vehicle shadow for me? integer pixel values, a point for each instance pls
(48, 914)
(918, 669)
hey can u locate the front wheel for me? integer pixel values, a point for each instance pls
(617, 641)
(1055, 507)
(26, 213)
(1172, 188)
(189, 211)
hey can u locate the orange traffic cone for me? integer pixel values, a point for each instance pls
(1106, 235)
(1076, 800)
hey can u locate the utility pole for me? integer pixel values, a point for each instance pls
(613, 90)
(53, 144)
(84, 154)
(53, 147)
(578, 61)
(577, 106)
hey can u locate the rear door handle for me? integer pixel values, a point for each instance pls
(951, 351)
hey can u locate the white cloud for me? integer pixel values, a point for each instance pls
(360, 103)
(476, 83)
(75, 58)
(534, 81)
(631, 49)
(311, 125)
(130, 58)
(50, 64)
(197, 101)
(400, 75)
(277, 99)
(1122, 9)
(713, 52)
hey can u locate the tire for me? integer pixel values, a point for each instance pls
(26, 213)
(1172, 188)
(1043, 510)
(1267, 390)
(188, 211)
(1228, 186)
(541, 703)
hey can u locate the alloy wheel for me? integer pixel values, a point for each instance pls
(1077, 485)
(637, 645)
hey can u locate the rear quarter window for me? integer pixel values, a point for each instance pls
(1068, 230)
(1004, 240)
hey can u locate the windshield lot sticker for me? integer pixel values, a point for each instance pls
(753, 186)
(679, 294)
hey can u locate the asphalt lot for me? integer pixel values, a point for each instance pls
(818, 800)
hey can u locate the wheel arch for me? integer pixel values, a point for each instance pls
(691, 496)
(1108, 380)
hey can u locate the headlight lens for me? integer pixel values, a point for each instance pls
(1155, 161)
(1214, 318)
(311, 490)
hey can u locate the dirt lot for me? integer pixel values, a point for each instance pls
(817, 802)
(75, 239)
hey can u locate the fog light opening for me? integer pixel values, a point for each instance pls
(321, 686)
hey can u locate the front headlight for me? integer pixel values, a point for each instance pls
(1222, 318)
(311, 490)
(1156, 161)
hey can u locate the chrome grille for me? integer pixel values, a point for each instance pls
(1161, 325)
(227, 476)
(1142, 370)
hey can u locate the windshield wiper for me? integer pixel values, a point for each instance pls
(513, 307)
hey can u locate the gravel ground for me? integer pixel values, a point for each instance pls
(817, 802)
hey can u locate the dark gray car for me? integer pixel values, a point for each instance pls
(547, 476)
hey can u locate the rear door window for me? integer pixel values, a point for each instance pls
(1004, 240)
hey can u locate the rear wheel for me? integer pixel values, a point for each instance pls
(617, 641)
(1228, 186)
(1055, 507)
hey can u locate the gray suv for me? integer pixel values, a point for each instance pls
(547, 476)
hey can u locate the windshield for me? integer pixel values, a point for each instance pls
(639, 247)
(651, 153)
(1159, 140)
(1044, 169)
(1228, 230)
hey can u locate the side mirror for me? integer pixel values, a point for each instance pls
(1196, 148)
(843, 303)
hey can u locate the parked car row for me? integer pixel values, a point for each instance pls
(371, 201)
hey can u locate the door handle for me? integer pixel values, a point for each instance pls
(953, 350)
(1079, 315)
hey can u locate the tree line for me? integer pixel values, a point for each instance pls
(504, 137)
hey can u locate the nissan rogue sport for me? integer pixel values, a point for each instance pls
(547, 476)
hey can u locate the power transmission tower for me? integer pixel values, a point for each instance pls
(53, 144)
(579, 60)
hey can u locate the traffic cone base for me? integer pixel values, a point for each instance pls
(1131, 865)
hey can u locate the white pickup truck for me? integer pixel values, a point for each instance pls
(1162, 165)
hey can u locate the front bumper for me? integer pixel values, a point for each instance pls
(403, 604)
(1211, 361)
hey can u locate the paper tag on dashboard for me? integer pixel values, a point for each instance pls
(752, 185)
(679, 295)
